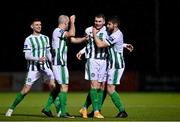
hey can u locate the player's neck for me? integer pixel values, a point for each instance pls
(61, 26)
(36, 34)
(115, 29)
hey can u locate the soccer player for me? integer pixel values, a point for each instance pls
(95, 67)
(37, 53)
(116, 62)
(60, 38)
(102, 90)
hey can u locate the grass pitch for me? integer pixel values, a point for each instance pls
(140, 106)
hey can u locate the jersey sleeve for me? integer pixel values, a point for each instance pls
(114, 39)
(61, 33)
(88, 31)
(57, 34)
(48, 43)
(48, 50)
(55, 39)
(105, 37)
(28, 51)
(28, 56)
(27, 46)
(82, 51)
(124, 45)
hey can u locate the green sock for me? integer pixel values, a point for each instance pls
(63, 102)
(88, 101)
(57, 104)
(94, 98)
(117, 101)
(56, 101)
(52, 97)
(18, 99)
(100, 98)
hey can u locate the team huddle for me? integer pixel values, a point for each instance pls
(104, 64)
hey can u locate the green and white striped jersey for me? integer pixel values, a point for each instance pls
(37, 45)
(59, 47)
(115, 50)
(92, 51)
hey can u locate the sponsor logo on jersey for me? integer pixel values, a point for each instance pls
(25, 46)
(111, 39)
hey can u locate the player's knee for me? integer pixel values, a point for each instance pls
(110, 89)
(64, 87)
(25, 90)
(95, 84)
(102, 86)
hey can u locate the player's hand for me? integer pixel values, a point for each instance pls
(72, 18)
(78, 55)
(130, 47)
(86, 38)
(42, 60)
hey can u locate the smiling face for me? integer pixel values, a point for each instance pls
(36, 26)
(99, 22)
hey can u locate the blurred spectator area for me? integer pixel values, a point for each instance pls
(131, 81)
(14, 82)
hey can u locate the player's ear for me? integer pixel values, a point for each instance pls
(104, 22)
(116, 25)
(31, 26)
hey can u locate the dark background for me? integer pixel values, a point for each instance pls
(152, 26)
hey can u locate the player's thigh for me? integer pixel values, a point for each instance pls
(91, 70)
(102, 72)
(61, 74)
(48, 74)
(114, 76)
(32, 76)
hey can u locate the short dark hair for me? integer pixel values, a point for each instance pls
(114, 20)
(35, 20)
(100, 15)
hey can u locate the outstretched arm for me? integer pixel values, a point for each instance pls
(128, 46)
(80, 53)
(79, 39)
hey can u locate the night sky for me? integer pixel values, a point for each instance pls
(152, 26)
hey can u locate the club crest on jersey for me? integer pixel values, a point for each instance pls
(92, 74)
(29, 80)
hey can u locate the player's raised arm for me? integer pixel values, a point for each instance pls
(72, 29)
